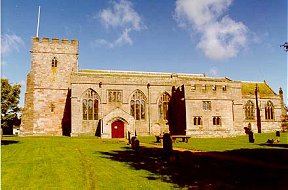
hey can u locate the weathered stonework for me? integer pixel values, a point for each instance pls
(56, 102)
(48, 86)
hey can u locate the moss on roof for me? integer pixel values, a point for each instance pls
(248, 88)
(138, 73)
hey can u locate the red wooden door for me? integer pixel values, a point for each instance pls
(117, 129)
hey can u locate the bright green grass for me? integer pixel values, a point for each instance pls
(69, 163)
(223, 144)
(82, 162)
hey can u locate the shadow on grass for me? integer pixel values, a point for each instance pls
(275, 145)
(200, 171)
(7, 142)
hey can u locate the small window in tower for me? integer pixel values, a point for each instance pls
(54, 62)
(52, 108)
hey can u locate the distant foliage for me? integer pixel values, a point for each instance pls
(10, 95)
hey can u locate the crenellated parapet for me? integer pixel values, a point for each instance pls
(54, 45)
(54, 40)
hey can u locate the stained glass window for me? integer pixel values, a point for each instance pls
(90, 105)
(138, 105)
(163, 106)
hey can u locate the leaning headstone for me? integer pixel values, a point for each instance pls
(251, 137)
(277, 133)
(167, 145)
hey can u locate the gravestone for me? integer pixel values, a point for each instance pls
(133, 139)
(251, 137)
(167, 145)
(137, 145)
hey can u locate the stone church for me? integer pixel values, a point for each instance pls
(62, 99)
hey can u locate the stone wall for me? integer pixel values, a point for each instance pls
(48, 86)
(226, 100)
(54, 94)
(221, 95)
(266, 125)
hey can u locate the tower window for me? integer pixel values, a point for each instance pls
(52, 107)
(54, 62)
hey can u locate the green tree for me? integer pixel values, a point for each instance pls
(10, 95)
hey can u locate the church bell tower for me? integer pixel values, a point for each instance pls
(47, 108)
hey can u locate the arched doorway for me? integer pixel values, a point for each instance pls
(117, 129)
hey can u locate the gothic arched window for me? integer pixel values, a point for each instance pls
(249, 110)
(163, 106)
(137, 105)
(90, 105)
(269, 111)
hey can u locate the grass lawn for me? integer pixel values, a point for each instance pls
(92, 163)
(68, 163)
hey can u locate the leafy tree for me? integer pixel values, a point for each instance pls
(10, 95)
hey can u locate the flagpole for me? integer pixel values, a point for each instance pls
(38, 22)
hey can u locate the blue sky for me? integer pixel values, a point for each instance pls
(238, 39)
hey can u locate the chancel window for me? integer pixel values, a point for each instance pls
(216, 120)
(197, 120)
(54, 62)
(137, 105)
(269, 111)
(163, 106)
(249, 110)
(90, 105)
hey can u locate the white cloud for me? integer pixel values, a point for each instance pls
(221, 36)
(121, 16)
(123, 39)
(10, 42)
